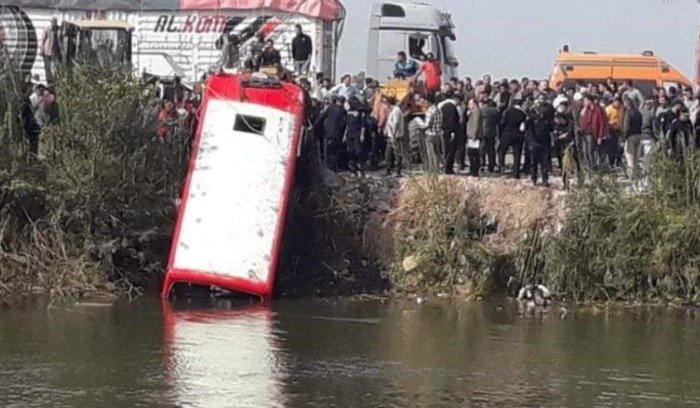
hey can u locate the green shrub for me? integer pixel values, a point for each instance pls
(105, 185)
(619, 245)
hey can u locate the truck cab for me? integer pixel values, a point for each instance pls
(417, 29)
(97, 42)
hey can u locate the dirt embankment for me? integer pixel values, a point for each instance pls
(350, 235)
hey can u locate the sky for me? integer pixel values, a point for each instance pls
(515, 38)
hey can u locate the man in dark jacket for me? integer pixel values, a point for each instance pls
(354, 137)
(540, 127)
(681, 136)
(632, 136)
(334, 121)
(491, 118)
(450, 128)
(302, 48)
(512, 135)
(269, 57)
(32, 130)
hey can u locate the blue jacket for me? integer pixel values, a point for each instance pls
(407, 69)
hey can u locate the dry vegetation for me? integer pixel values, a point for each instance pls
(601, 243)
(96, 209)
(96, 212)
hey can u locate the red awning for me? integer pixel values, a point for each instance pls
(324, 9)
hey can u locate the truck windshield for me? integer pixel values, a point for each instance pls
(104, 47)
(422, 44)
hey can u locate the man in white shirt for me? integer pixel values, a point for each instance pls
(345, 88)
(433, 135)
(37, 96)
(395, 137)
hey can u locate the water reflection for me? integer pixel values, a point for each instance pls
(225, 356)
(347, 354)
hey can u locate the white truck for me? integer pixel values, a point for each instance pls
(415, 28)
(168, 41)
(179, 40)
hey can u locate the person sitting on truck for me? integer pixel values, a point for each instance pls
(257, 46)
(270, 57)
(432, 71)
(302, 48)
(405, 67)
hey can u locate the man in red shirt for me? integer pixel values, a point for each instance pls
(432, 72)
(594, 128)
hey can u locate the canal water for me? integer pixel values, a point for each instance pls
(347, 354)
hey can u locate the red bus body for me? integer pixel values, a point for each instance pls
(242, 171)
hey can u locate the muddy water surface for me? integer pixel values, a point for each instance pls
(347, 354)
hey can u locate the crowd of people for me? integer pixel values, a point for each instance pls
(171, 108)
(476, 126)
(484, 127)
(38, 109)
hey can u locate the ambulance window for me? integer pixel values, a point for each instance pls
(249, 124)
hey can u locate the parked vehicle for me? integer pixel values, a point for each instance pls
(647, 70)
(189, 36)
(417, 29)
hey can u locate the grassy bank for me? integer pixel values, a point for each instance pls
(633, 247)
(613, 244)
(96, 210)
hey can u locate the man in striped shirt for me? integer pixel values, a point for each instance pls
(433, 133)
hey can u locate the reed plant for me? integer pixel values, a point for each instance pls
(620, 245)
(439, 234)
(99, 203)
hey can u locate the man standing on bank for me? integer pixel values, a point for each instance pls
(302, 49)
(450, 127)
(541, 128)
(475, 134)
(512, 135)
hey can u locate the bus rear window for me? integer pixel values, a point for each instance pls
(249, 124)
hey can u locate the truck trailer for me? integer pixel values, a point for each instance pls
(180, 35)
